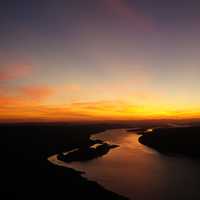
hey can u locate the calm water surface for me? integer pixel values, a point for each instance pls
(139, 172)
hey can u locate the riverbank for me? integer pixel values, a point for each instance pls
(182, 140)
(129, 169)
(27, 174)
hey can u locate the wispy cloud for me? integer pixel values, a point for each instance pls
(130, 13)
(37, 92)
(17, 109)
(15, 72)
(9, 101)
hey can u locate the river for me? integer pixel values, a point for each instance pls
(139, 172)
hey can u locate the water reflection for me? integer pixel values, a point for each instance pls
(141, 173)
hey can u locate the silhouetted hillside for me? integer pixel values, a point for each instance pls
(174, 140)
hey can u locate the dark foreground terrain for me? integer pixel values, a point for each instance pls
(184, 141)
(26, 174)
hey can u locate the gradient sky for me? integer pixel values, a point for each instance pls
(63, 60)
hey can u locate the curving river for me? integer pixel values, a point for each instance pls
(138, 172)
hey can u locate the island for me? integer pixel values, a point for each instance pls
(87, 153)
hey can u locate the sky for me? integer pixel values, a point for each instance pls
(91, 60)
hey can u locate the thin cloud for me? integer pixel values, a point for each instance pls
(16, 109)
(129, 13)
(9, 101)
(71, 88)
(37, 92)
(15, 72)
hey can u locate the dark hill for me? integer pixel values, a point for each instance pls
(185, 141)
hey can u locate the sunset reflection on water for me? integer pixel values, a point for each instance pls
(139, 172)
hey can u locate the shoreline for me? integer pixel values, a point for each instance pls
(183, 141)
(26, 165)
(62, 163)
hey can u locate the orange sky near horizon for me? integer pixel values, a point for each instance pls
(47, 104)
